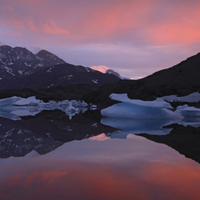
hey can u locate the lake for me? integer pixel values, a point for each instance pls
(49, 156)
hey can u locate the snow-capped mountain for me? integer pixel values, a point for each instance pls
(110, 71)
(19, 61)
(20, 68)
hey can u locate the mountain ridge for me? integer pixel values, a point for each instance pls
(181, 79)
(20, 68)
(19, 61)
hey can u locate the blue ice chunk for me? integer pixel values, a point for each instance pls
(131, 110)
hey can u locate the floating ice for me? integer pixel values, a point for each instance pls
(137, 116)
(26, 101)
(159, 102)
(138, 109)
(157, 109)
(15, 107)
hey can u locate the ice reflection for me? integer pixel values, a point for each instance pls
(16, 107)
(45, 132)
(149, 126)
(137, 126)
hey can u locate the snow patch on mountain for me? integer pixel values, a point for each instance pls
(95, 81)
(14, 60)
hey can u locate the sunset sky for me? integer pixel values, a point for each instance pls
(133, 37)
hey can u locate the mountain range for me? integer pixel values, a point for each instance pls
(20, 68)
(46, 76)
(181, 79)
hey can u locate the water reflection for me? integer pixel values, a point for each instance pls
(135, 168)
(186, 140)
(49, 156)
(16, 107)
(137, 126)
(50, 129)
(45, 132)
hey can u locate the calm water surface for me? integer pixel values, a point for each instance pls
(89, 163)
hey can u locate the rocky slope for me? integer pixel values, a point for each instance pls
(19, 62)
(181, 79)
(20, 68)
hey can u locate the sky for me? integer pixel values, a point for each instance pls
(133, 37)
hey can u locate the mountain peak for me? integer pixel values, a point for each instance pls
(19, 61)
(46, 55)
(5, 46)
(43, 52)
(110, 71)
(16, 51)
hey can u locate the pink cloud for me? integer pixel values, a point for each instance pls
(180, 26)
(100, 68)
(32, 26)
(7, 8)
(133, 21)
(25, 25)
(11, 34)
(132, 26)
(52, 28)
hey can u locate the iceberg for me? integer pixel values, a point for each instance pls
(27, 101)
(16, 107)
(138, 109)
(159, 102)
(137, 116)
(157, 109)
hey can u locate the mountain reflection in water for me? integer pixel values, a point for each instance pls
(48, 156)
(135, 168)
(45, 132)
